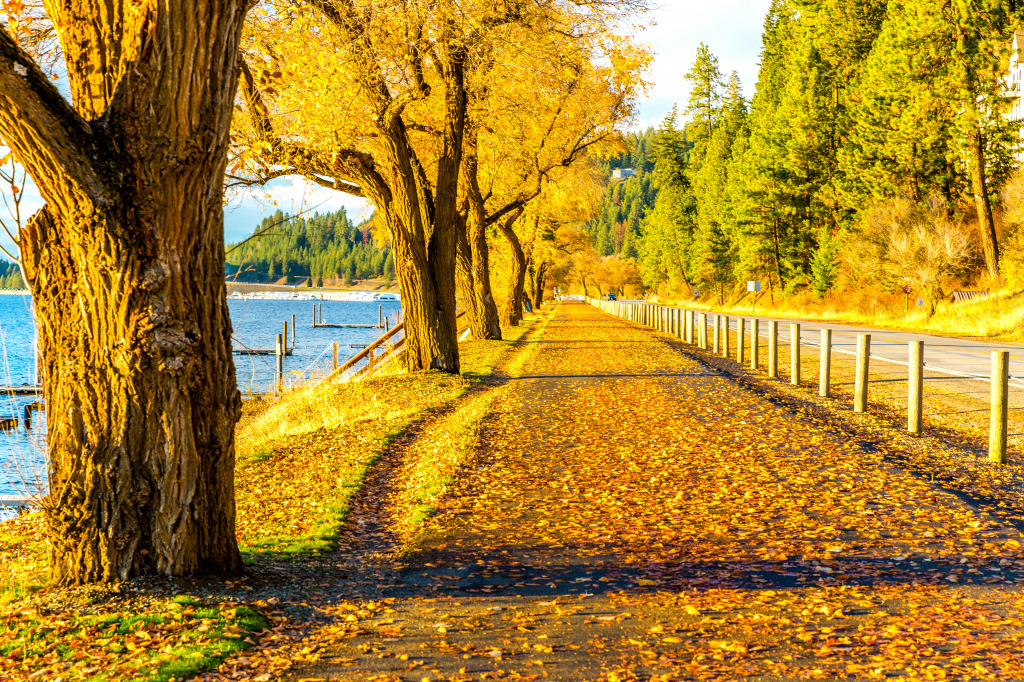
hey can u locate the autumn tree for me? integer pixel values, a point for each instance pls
(371, 99)
(559, 95)
(553, 229)
(126, 267)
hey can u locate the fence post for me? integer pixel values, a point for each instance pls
(725, 336)
(773, 349)
(335, 355)
(279, 351)
(794, 354)
(716, 323)
(915, 386)
(755, 343)
(860, 390)
(825, 370)
(1000, 388)
(702, 331)
(688, 324)
(741, 329)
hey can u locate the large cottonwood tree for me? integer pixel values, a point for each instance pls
(126, 268)
(372, 98)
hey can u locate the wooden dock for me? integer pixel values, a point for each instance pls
(318, 320)
(260, 351)
(15, 502)
(345, 326)
(23, 389)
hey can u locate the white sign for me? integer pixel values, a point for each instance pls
(753, 286)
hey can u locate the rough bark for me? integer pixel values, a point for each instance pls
(512, 311)
(986, 224)
(421, 214)
(485, 322)
(464, 274)
(126, 267)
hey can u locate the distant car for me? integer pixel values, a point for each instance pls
(612, 297)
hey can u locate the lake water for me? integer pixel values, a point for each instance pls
(256, 323)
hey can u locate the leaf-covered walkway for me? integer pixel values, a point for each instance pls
(635, 514)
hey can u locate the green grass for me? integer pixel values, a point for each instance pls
(24, 561)
(302, 458)
(177, 639)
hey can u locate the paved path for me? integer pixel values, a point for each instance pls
(635, 514)
(941, 353)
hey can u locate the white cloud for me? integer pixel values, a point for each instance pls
(289, 195)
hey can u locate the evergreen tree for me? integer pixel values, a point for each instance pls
(705, 98)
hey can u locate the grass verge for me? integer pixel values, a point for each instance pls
(300, 460)
(432, 466)
(158, 642)
(997, 317)
(303, 457)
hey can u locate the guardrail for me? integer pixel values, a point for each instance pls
(692, 327)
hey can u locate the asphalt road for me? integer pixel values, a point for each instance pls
(953, 356)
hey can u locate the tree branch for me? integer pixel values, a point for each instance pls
(46, 134)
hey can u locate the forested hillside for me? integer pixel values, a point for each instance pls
(321, 247)
(616, 229)
(10, 276)
(877, 152)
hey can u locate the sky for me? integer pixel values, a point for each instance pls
(730, 28)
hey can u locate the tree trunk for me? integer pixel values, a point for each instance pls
(428, 303)
(425, 232)
(126, 268)
(538, 284)
(986, 225)
(485, 324)
(141, 396)
(464, 274)
(512, 312)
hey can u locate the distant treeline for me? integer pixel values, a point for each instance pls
(10, 276)
(320, 247)
(616, 229)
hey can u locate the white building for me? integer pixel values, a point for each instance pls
(1013, 81)
(623, 173)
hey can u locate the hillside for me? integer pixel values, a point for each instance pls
(329, 247)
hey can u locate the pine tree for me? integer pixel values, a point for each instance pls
(705, 98)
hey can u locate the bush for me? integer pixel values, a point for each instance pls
(902, 242)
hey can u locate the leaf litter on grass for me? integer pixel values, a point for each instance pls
(299, 465)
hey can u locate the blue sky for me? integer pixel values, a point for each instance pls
(730, 28)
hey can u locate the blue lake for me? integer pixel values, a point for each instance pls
(256, 323)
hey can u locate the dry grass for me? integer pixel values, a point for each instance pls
(302, 457)
(24, 561)
(300, 460)
(997, 317)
